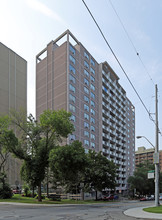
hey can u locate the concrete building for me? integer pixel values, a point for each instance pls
(143, 154)
(69, 77)
(13, 95)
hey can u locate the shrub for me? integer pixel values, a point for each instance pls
(5, 192)
(27, 191)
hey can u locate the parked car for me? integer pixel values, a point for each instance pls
(160, 196)
(16, 191)
(108, 197)
(143, 199)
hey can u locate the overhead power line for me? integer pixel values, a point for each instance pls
(118, 61)
(126, 32)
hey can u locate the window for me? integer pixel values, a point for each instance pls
(86, 73)
(72, 59)
(92, 79)
(92, 103)
(72, 50)
(72, 107)
(86, 64)
(72, 69)
(86, 133)
(86, 90)
(93, 120)
(92, 95)
(92, 62)
(86, 107)
(72, 137)
(72, 78)
(92, 87)
(92, 128)
(86, 55)
(72, 88)
(72, 98)
(72, 118)
(92, 71)
(86, 99)
(92, 112)
(86, 125)
(92, 145)
(92, 136)
(86, 142)
(86, 116)
(86, 82)
(105, 89)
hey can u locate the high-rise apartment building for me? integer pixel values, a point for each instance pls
(13, 95)
(142, 155)
(69, 77)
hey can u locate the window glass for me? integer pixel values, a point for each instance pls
(92, 62)
(72, 137)
(92, 112)
(92, 128)
(92, 87)
(86, 142)
(86, 116)
(86, 82)
(86, 107)
(72, 98)
(86, 90)
(92, 103)
(86, 64)
(86, 133)
(92, 95)
(71, 69)
(92, 120)
(92, 145)
(72, 118)
(86, 99)
(72, 107)
(92, 79)
(86, 125)
(86, 73)
(92, 136)
(72, 88)
(72, 59)
(92, 71)
(105, 89)
(72, 50)
(72, 78)
(86, 55)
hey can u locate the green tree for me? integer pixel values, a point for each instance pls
(68, 165)
(7, 138)
(36, 140)
(140, 181)
(100, 173)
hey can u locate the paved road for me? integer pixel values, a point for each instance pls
(104, 211)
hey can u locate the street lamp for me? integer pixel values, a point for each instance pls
(138, 137)
(156, 162)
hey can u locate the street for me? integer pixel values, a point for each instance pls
(104, 211)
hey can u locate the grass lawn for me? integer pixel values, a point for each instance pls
(20, 199)
(154, 209)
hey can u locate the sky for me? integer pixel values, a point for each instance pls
(27, 26)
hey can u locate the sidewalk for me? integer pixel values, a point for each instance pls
(139, 213)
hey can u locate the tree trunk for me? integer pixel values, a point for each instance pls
(47, 184)
(96, 194)
(33, 191)
(39, 193)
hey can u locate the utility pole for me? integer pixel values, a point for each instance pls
(156, 154)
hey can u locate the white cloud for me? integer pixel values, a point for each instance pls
(42, 8)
